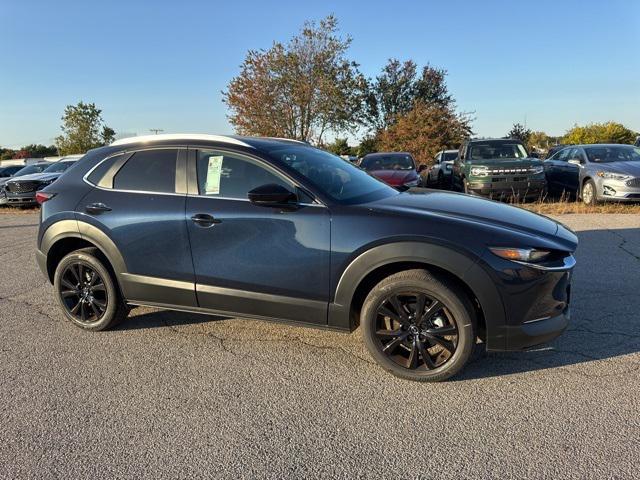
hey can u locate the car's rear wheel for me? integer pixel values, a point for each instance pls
(87, 293)
(419, 326)
(589, 196)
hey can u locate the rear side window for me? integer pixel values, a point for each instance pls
(148, 171)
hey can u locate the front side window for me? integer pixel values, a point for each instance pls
(148, 171)
(225, 175)
(496, 151)
(339, 180)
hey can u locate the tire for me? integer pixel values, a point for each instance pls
(391, 341)
(87, 293)
(589, 193)
(440, 180)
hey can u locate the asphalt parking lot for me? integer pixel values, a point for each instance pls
(179, 395)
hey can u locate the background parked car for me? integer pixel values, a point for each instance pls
(22, 191)
(9, 170)
(596, 172)
(498, 168)
(397, 169)
(439, 174)
(28, 170)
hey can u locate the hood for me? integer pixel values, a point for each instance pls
(395, 177)
(624, 168)
(41, 177)
(467, 207)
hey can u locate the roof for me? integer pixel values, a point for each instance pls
(379, 154)
(494, 140)
(248, 142)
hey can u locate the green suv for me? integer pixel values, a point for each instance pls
(498, 168)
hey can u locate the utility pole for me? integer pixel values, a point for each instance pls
(156, 130)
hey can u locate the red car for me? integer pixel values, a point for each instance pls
(397, 169)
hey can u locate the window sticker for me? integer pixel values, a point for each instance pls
(214, 171)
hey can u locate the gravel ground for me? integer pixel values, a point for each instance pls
(180, 395)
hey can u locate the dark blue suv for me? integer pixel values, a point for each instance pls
(279, 230)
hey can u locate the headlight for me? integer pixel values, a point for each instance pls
(480, 171)
(537, 170)
(613, 176)
(520, 254)
(412, 183)
(448, 166)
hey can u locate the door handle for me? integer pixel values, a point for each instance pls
(97, 208)
(205, 220)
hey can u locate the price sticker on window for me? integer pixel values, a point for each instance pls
(214, 171)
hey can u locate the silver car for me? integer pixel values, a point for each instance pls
(439, 174)
(596, 173)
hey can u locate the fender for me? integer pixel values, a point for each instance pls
(465, 267)
(78, 229)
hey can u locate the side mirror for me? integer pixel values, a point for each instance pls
(575, 161)
(271, 195)
(421, 167)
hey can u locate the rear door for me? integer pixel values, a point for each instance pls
(139, 202)
(251, 259)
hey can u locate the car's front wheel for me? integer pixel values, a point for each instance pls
(589, 196)
(86, 291)
(419, 326)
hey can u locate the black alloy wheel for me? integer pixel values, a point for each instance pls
(83, 292)
(416, 331)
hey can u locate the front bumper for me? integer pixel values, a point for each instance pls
(19, 199)
(536, 304)
(508, 188)
(617, 191)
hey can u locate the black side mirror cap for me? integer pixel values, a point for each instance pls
(271, 195)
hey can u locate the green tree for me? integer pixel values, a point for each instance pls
(340, 146)
(519, 132)
(82, 129)
(608, 132)
(367, 145)
(39, 151)
(425, 130)
(539, 141)
(397, 89)
(302, 89)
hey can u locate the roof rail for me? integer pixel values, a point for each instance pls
(181, 136)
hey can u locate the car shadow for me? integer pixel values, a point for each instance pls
(605, 323)
(166, 318)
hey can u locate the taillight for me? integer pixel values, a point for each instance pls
(42, 197)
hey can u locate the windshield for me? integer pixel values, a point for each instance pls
(449, 156)
(613, 153)
(398, 161)
(496, 151)
(29, 169)
(339, 180)
(58, 167)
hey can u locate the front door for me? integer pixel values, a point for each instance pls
(256, 260)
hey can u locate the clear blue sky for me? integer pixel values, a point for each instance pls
(162, 64)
